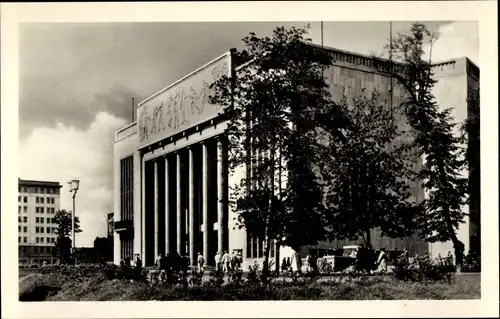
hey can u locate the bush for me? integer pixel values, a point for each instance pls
(422, 269)
(471, 264)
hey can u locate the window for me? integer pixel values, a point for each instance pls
(18, 198)
(256, 247)
(36, 247)
(37, 220)
(41, 240)
(25, 219)
(127, 247)
(25, 229)
(25, 239)
(19, 218)
(37, 209)
(41, 229)
(53, 200)
(37, 229)
(41, 220)
(25, 209)
(49, 200)
(19, 228)
(37, 200)
(25, 189)
(25, 199)
(37, 241)
(18, 239)
(48, 242)
(41, 209)
(48, 230)
(19, 189)
(42, 200)
(42, 191)
(127, 188)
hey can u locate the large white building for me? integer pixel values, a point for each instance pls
(170, 167)
(38, 202)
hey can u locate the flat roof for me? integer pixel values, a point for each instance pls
(25, 182)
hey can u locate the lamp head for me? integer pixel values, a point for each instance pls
(74, 185)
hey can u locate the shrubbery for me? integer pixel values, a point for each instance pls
(422, 269)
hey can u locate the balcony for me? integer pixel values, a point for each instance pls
(123, 225)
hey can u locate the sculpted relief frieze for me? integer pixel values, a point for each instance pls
(181, 106)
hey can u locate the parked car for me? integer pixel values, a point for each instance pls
(351, 251)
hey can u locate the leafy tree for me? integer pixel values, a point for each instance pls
(368, 176)
(272, 105)
(434, 137)
(62, 246)
(470, 136)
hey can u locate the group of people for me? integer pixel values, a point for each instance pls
(225, 262)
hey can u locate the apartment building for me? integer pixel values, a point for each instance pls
(38, 202)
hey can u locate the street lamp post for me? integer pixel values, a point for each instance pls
(73, 187)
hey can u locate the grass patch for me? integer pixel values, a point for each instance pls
(56, 287)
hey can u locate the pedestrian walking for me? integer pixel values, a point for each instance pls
(201, 263)
(233, 260)
(226, 262)
(382, 261)
(284, 265)
(218, 261)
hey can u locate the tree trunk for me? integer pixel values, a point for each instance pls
(368, 239)
(277, 263)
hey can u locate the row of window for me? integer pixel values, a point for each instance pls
(41, 209)
(37, 249)
(39, 240)
(42, 229)
(49, 220)
(127, 188)
(38, 209)
(38, 200)
(38, 220)
(256, 248)
(38, 190)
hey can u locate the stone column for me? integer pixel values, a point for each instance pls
(220, 193)
(205, 200)
(156, 210)
(191, 208)
(143, 211)
(178, 203)
(167, 209)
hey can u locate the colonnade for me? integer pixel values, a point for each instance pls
(184, 195)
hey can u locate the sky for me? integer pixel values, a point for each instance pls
(77, 81)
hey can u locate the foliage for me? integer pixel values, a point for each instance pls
(422, 269)
(472, 263)
(236, 277)
(252, 276)
(63, 220)
(435, 139)
(62, 247)
(272, 104)
(50, 287)
(216, 278)
(368, 173)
